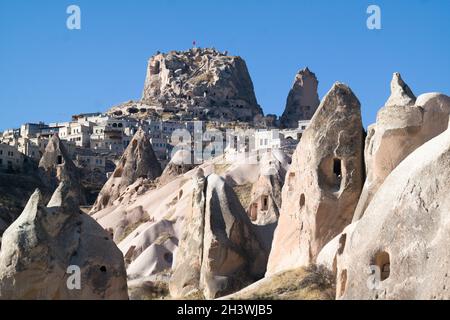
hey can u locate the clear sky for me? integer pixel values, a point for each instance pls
(48, 72)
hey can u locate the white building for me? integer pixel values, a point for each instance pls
(295, 134)
(10, 158)
(76, 132)
(31, 130)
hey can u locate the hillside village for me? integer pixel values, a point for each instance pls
(299, 208)
(97, 140)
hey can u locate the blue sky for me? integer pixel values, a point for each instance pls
(48, 72)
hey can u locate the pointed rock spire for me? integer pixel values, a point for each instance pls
(138, 161)
(219, 250)
(302, 100)
(401, 94)
(44, 241)
(181, 162)
(56, 166)
(323, 183)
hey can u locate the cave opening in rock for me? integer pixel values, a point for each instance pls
(291, 181)
(59, 159)
(337, 168)
(383, 262)
(302, 200)
(264, 203)
(168, 257)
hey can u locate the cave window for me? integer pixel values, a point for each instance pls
(103, 269)
(302, 200)
(291, 181)
(264, 203)
(60, 159)
(168, 257)
(382, 261)
(337, 171)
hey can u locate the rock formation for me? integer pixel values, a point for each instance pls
(401, 94)
(223, 252)
(56, 166)
(404, 234)
(323, 184)
(403, 124)
(302, 100)
(198, 83)
(42, 245)
(138, 161)
(180, 163)
(186, 277)
(265, 198)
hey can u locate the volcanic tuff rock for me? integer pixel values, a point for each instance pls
(15, 190)
(265, 197)
(323, 184)
(186, 277)
(197, 83)
(302, 100)
(403, 124)
(56, 166)
(148, 223)
(44, 241)
(223, 252)
(181, 162)
(404, 233)
(138, 161)
(401, 94)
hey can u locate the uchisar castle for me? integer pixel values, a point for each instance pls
(192, 192)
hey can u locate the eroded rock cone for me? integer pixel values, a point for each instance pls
(180, 163)
(403, 125)
(56, 166)
(323, 184)
(401, 94)
(404, 234)
(46, 245)
(138, 161)
(224, 254)
(186, 277)
(265, 203)
(302, 100)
